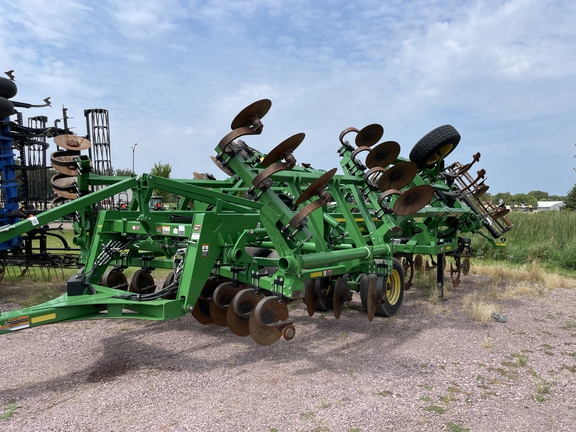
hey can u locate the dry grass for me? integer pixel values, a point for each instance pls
(479, 308)
(506, 282)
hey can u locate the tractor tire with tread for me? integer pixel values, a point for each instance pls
(8, 88)
(6, 108)
(439, 142)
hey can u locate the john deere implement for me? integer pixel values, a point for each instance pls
(239, 250)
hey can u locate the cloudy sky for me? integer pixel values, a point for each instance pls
(173, 74)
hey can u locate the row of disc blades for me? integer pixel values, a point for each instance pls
(63, 161)
(245, 310)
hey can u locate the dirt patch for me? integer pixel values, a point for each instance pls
(431, 367)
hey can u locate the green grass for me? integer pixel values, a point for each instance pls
(548, 238)
(8, 411)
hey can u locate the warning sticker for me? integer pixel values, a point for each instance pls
(18, 323)
(43, 318)
(34, 220)
(205, 249)
(197, 227)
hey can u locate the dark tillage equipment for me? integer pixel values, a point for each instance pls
(26, 186)
(239, 250)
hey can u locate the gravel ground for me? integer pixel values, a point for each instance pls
(429, 368)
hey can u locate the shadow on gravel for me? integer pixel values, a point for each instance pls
(321, 343)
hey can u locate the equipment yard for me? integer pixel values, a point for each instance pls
(430, 367)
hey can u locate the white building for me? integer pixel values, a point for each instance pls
(550, 205)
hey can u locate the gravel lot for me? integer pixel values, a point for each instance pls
(429, 368)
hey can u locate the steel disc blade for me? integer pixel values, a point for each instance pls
(369, 135)
(113, 278)
(239, 311)
(398, 176)
(72, 142)
(259, 108)
(371, 298)
(288, 145)
(63, 162)
(413, 200)
(340, 295)
(383, 154)
(320, 182)
(221, 299)
(465, 266)
(268, 311)
(201, 310)
(201, 313)
(311, 297)
(222, 167)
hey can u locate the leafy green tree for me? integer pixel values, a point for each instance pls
(557, 198)
(124, 172)
(506, 198)
(570, 200)
(540, 195)
(162, 170)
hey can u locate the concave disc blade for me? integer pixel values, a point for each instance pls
(239, 311)
(413, 200)
(398, 176)
(369, 135)
(383, 154)
(269, 310)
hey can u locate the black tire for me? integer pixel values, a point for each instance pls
(437, 143)
(6, 108)
(8, 88)
(393, 291)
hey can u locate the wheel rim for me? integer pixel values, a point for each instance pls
(393, 288)
(442, 151)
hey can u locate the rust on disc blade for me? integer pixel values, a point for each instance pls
(113, 277)
(383, 154)
(239, 311)
(398, 176)
(289, 144)
(465, 266)
(64, 186)
(259, 108)
(221, 299)
(311, 297)
(413, 200)
(268, 311)
(222, 167)
(63, 162)
(371, 298)
(480, 191)
(369, 135)
(72, 142)
(320, 182)
(346, 132)
(142, 282)
(63, 182)
(340, 295)
(201, 310)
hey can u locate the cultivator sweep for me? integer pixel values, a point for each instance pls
(239, 250)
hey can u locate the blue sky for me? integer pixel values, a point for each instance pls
(173, 74)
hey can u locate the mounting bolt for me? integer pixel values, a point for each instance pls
(190, 309)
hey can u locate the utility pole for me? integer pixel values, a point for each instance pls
(133, 150)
